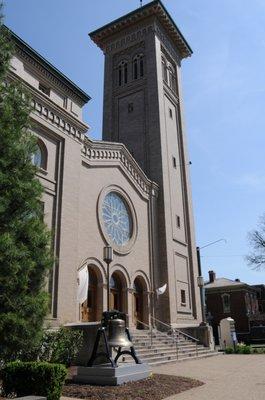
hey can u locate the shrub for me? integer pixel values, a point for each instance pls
(240, 348)
(58, 346)
(61, 346)
(229, 350)
(246, 350)
(33, 378)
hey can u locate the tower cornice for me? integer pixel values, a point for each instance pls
(154, 8)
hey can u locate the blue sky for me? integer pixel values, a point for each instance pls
(224, 98)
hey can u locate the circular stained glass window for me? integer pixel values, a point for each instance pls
(117, 219)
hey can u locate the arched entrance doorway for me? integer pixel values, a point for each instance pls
(118, 288)
(91, 309)
(140, 303)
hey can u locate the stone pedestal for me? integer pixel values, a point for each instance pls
(89, 330)
(106, 375)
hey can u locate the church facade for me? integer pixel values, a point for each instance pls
(131, 190)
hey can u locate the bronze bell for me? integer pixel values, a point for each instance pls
(117, 335)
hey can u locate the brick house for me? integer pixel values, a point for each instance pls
(227, 298)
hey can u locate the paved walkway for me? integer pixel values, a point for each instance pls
(226, 377)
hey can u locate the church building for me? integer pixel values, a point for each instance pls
(132, 189)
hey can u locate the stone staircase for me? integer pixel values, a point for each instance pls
(164, 349)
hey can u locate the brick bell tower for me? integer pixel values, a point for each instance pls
(143, 109)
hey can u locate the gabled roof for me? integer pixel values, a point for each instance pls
(223, 282)
(48, 66)
(156, 8)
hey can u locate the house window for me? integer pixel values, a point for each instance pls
(178, 221)
(46, 90)
(183, 297)
(226, 303)
(39, 157)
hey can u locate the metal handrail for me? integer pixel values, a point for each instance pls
(175, 329)
(150, 327)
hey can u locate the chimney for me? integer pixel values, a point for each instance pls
(237, 280)
(212, 276)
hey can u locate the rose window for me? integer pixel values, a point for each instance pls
(117, 219)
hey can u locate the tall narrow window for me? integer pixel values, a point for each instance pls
(141, 66)
(226, 302)
(138, 66)
(39, 157)
(120, 75)
(183, 297)
(164, 70)
(123, 73)
(172, 79)
(135, 69)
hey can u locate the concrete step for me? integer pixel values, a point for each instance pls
(159, 362)
(160, 349)
(167, 352)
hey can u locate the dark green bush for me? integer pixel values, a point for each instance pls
(62, 346)
(240, 348)
(229, 350)
(33, 378)
(58, 346)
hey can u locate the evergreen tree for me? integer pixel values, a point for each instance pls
(25, 257)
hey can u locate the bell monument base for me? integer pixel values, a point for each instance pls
(106, 375)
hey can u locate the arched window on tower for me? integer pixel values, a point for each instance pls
(122, 73)
(164, 70)
(138, 66)
(40, 156)
(172, 78)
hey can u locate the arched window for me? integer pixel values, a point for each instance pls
(172, 78)
(39, 157)
(123, 73)
(138, 66)
(164, 70)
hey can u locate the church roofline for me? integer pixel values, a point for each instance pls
(155, 7)
(99, 151)
(48, 66)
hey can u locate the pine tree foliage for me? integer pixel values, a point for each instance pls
(25, 257)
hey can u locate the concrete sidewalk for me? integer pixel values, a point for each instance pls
(226, 377)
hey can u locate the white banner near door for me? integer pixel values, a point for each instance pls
(82, 287)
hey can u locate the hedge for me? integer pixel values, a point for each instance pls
(33, 378)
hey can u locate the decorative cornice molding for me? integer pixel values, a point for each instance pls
(156, 9)
(45, 108)
(49, 76)
(136, 36)
(103, 152)
(53, 117)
